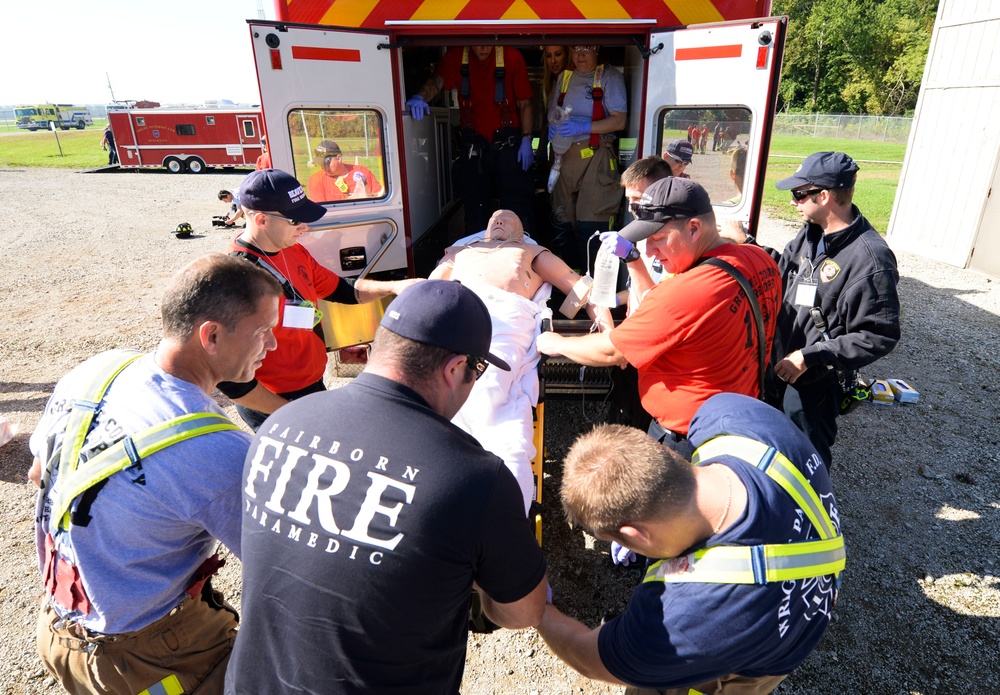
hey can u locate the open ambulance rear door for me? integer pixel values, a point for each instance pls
(723, 78)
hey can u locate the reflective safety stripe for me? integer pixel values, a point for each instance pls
(105, 368)
(129, 452)
(777, 466)
(171, 685)
(758, 564)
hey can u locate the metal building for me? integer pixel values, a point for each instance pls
(944, 208)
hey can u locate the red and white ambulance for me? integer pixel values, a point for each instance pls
(331, 70)
(186, 139)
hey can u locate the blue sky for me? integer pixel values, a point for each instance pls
(171, 51)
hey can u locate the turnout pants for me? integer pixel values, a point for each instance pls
(188, 648)
(727, 685)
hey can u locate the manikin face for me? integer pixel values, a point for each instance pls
(504, 226)
(556, 59)
(482, 52)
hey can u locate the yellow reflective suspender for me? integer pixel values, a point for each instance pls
(760, 564)
(74, 479)
(171, 685)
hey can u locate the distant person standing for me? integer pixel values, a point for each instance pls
(264, 160)
(108, 143)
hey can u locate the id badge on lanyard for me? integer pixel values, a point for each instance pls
(805, 288)
(299, 315)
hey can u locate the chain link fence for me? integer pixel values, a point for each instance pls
(831, 125)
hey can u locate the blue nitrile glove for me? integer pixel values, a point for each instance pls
(616, 244)
(552, 132)
(525, 155)
(622, 555)
(358, 176)
(417, 106)
(571, 129)
(548, 593)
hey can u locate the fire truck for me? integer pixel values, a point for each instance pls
(186, 139)
(341, 71)
(63, 116)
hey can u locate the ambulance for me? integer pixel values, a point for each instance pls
(340, 71)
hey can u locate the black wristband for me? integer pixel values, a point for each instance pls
(750, 240)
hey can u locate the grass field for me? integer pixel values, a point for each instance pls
(877, 181)
(875, 192)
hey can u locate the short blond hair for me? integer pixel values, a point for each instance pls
(616, 475)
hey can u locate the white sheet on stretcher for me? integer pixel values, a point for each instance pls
(498, 412)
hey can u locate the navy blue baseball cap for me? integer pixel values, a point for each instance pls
(445, 314)
(668, 199)
(828, 170)
(273, 190)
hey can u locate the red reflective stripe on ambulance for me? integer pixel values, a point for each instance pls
(708, 52)
(340, 55)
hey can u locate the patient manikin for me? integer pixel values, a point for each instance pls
(513, 276)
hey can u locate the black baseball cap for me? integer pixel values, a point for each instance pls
(445, 314)
(273, 190)
(681, 149)
(828, 170)
(668, 199)
(327, 148)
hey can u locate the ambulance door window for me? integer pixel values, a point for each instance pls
(338, 153)
(719, 138)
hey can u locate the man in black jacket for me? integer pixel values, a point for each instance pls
(840, 309)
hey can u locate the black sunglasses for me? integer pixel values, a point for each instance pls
(477, 364)
(648, 213)
(289, 220)
(799, 196)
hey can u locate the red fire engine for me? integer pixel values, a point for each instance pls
(186, 139)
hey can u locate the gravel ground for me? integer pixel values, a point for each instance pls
(919, 611)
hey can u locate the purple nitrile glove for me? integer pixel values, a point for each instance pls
(622, 555)
(525, 155)
(548, 593)
(616, 244)
(572, 129)
(358, 176)
(418, 107)
(552, 132)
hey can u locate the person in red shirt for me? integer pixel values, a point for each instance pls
(689, 338)
(496, 116)
(277, 214)
(264, 160)
(339, 181)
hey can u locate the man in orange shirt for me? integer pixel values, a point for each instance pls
(264, 160)
(692, 336)
(339, 181)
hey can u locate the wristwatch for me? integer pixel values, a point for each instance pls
(632, 255)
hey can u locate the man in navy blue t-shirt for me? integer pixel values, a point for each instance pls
(368, 517)
(730, 609)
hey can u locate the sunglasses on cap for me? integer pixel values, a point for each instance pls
(799, 196)
(478, 365)
(648, 213)
(289, 220)
(584, 49)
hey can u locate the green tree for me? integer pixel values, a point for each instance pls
(856, 56)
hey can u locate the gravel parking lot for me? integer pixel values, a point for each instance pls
(86, 256)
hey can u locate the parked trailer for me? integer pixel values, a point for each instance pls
(186, 140)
